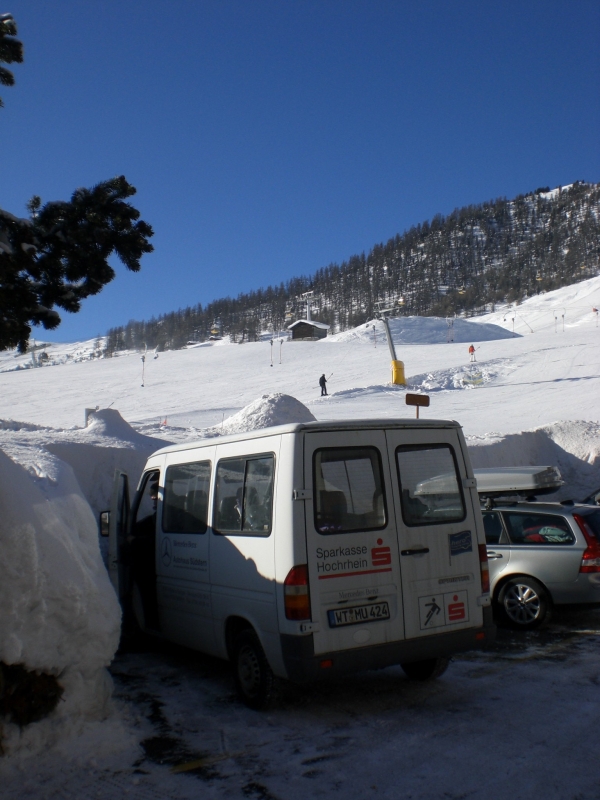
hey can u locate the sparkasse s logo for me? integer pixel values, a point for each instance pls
(381, 556)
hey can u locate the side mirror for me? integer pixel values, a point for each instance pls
(104, 522)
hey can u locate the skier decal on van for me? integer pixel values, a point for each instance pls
(449, 608)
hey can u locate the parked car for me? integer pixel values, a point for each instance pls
(540, 554)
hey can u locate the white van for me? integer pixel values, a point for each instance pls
(308, 550)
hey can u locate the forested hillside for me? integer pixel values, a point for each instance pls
(479, 255)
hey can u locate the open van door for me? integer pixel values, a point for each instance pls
(117, 533)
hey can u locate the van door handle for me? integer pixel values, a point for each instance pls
(494, 555)
(416, 552)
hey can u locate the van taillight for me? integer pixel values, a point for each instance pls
(295, 592)
(590, 561)
(485, 569)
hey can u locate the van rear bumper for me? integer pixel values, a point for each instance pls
(303, 666)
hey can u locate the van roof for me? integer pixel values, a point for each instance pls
(329, 425)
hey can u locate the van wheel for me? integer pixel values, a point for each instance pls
(524, 603)
(426, 670)
(254, 679)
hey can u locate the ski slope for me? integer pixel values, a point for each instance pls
(522, 382)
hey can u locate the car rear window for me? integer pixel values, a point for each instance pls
(493, 527)
(593, 521)
(529, 528)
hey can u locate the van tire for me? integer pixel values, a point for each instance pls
(254, 680)
(523, 603)
(426, 670)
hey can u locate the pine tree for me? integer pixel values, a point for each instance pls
(60, 255)
(11, 50)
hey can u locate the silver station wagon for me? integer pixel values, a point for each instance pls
(540, 554)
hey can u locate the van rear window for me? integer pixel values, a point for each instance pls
(185, 505)
(348, 490)
(430, 488)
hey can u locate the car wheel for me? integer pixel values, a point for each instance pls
(524, 603)
(254, 679)
(426, 670)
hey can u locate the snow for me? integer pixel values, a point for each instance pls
(59, 614)
(425, 330)
(267, 411)
(531, 398)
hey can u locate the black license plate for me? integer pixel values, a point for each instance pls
(357, 615)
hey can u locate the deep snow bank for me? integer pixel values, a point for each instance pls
(266, 411)
(59, 612)
(573, 447)
(92, 453)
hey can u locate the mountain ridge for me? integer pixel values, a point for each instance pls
(461, 264)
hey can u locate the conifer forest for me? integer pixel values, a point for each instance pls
(499, 251)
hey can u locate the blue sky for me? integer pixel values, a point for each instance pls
(269, 138)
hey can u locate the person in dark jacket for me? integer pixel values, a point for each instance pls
(323, 384)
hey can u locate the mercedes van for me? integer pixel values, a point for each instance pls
(308, 550)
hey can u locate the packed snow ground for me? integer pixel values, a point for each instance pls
(531, 398)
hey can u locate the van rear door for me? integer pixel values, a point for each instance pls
(437, 532)
(353, 560)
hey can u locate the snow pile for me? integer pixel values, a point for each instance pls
(91, 453)
(59, 612)
(13, 425)
(470, 376)
(107, 423)
(573, 447)
(268, 410)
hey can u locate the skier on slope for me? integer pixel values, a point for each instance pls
(472, 353)
(323, 384)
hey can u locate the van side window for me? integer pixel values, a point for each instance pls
(244, 495)
(348, 490)
(430, 489)
(185, 504)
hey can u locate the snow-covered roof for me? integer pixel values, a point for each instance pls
(311, 322)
